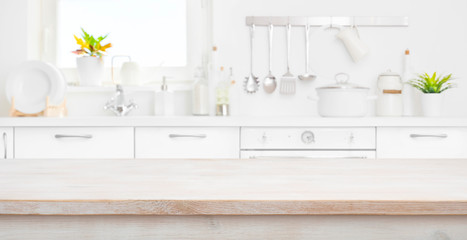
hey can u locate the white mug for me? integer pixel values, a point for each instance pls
(355, 46)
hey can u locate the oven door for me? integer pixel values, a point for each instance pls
(308, 154)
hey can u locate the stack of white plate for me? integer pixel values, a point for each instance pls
(31, 83)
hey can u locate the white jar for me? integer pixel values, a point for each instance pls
(389, 81)
(390, 102)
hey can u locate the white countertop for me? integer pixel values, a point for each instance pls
(236, 121)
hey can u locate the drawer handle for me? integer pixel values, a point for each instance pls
(187, 136)
(85, 136)
(307, 157)
(428, 135)
(5, 146)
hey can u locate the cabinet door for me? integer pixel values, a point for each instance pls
(421, 142)
(6, 143)
(187, 142)
(74, 142)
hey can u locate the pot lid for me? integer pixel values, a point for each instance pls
(389, 73)
(342, 82)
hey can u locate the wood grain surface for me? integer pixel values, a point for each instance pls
(233, 187)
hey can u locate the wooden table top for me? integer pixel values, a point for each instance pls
(234, 187)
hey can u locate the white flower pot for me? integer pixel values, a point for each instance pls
(432, 104)
(90, 70)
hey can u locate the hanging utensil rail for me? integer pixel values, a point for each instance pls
(321, 21)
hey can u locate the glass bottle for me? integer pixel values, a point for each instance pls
(200, 99)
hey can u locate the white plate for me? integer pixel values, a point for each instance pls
(31, 83)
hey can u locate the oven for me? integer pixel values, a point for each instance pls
(308, 143)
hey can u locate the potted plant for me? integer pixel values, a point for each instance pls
(432, 87)
(90, 65)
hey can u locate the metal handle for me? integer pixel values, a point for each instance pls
(289, 27)
(428, 135)
(307, 157)
(307, 47)
(187, 135)
(252, 35)
(271, 35)
(5, 146)
(86, 136)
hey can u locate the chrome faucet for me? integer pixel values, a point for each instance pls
(117, 103)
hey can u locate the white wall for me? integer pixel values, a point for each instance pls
(437, 38)
(13, 42)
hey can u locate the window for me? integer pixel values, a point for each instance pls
(162, 36)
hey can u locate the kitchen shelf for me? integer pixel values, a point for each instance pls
(322, 21)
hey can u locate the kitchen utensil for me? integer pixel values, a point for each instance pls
(343, 99)
(308, 76)
(251, 83)
(269, 82)
(355, 46)
(31, 83)
(287, 84)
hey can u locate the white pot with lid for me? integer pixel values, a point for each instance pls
(343, 99)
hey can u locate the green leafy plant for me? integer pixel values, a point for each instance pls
(90, 45)
(433, 83)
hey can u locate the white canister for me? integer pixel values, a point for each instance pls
(389, 81)
(390, 102)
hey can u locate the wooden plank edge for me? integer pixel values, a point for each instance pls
(231, 207)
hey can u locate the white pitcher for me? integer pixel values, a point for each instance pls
(355, 46)
(352, 42)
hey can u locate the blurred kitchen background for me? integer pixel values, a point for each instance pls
(436, 37)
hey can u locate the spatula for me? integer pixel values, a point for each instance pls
(287, 84)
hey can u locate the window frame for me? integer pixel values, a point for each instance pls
(198, 39)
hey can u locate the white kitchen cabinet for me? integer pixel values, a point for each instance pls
(422, 142)
(74, 142)
(187, 142)
(6, 145)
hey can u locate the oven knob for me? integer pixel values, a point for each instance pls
(308, 137)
